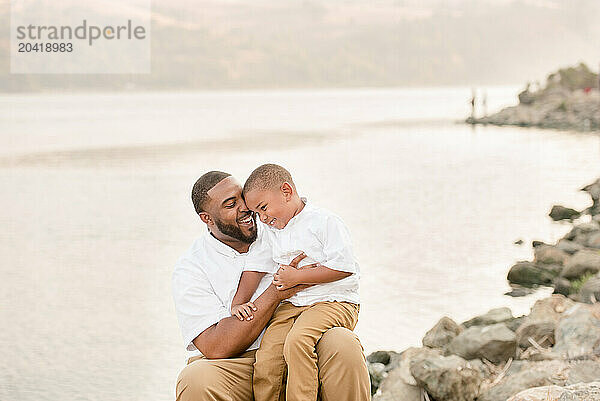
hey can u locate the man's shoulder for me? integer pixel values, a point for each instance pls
(191, 261)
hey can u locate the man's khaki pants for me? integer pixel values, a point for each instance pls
(343, 374)
(289, 342)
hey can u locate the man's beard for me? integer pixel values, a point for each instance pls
(234, 231)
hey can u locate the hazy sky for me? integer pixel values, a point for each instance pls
(341, 43)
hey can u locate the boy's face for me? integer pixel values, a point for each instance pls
(272, 205)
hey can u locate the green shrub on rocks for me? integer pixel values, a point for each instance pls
(577, 284)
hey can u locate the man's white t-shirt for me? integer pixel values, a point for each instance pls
(325, 239)
(205, 281)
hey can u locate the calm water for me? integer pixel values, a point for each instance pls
(95, 210)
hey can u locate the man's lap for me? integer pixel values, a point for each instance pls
(231, 379)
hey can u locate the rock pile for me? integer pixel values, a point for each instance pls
(569, 100)
(553, 353)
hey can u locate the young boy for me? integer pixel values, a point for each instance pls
(296, 230)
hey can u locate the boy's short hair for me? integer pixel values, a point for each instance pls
(268, 176)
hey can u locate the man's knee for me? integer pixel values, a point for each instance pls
(342, 367)
(343, 344)
(198, 381)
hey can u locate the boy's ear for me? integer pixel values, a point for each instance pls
(205, 217)
(287, 190)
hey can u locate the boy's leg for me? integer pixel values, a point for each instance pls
(269, 367)
(299, 348)
(216, 379)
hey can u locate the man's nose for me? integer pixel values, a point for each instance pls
(263, 217)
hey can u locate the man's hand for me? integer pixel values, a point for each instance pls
(243, 311)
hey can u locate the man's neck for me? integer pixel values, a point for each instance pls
(239, 246)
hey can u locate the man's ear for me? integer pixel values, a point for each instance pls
(205, 217)
(287, 190)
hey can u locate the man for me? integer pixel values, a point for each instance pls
(204, 283)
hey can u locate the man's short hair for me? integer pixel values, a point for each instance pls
(203, 185)
(268, 176)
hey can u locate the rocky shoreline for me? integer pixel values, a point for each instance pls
(551, 354)
(569, 100)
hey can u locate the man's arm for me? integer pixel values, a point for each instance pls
(231, 336)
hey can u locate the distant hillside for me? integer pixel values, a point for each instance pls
(319, 43)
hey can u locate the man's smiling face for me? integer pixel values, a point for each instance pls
(233, 220)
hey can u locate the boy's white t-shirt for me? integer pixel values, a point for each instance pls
(325, 239)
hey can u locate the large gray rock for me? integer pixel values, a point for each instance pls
(400, 385)
(593, 190)
(581, 231)
(562, 286)
(528, 273)
(515, 323)
(575, 392)
(581, 392)
(446, 378)
(590, 290)
(559, 212)
(569, 247)
(379, 357)
(541, 331)
(549, 255)
(517, 290)
(394, 389)
(442, 333)
(593, 241)
(584, 372)
(523, 375)
(578, 332)
(580, 263)
(493, 316)
(376, 374)
(545, 393)
(406, 359)
(588, 227)
(542, 321)
(496, 343)
(550, 308)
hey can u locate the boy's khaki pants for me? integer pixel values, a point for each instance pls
(343, 374)
(290, 342)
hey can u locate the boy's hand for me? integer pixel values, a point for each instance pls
(286, 277)
(243, 311)
(285, 294)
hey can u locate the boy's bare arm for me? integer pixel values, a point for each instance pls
(288, 276)
(230, 336)
(240, 306)
(248, 285)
